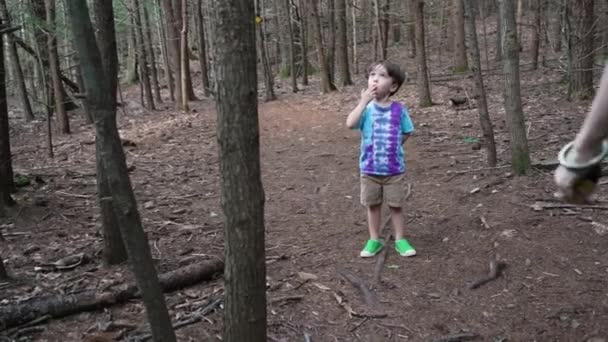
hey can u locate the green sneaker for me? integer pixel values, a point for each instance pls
(404, 248)
(372, 247)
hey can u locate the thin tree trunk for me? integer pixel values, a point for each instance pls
(268, 82)
(184, 65)
(411, 28)
(535, 44)
(482, 10)
(173, 48)
(520, 156)
(331, 51)
(150, 53)
(460, 52)
(131, 75)
(498, 55)
(99, 95)
(482, 104)
(62, 115)
(304, 41)
(326, 85)
(114, 250)
(354, 24)
(581, 43)
(162, 37)
(556, 32)
(202, 49)
(7, 184)
(292, 47)
(142, 57)
(12, 50)
(342, 51)
(422, 80)
(283, 38)
(242, 191)
(385, 28)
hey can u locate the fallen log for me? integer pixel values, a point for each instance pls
(58, 306)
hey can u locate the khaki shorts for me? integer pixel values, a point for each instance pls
(378, 189)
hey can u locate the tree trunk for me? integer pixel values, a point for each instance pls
(242, 191)
(292, 47)
(131, 73)
(304, 41)
(12, 50)
(482, 104)
(342, 51)
(103, 108)
(284, 68)
(7, 184)
(559, 8)
(152, 55)
(354, 25)
(173, 49)
(498, 55)
(267, 72)
(184, 62)
(411, 28)
(62, 115)
(144, 74)
(331, 53)
(422, 79)
(580, 86)
(114, 251)
(202, 48)
(182, 6)
(520, 157)
(460, 52)
(483, 13)
(535, 44)
(385, 27)
(326, 85)
(162, 35)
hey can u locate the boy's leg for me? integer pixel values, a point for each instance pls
(373, 220)
(397, 219)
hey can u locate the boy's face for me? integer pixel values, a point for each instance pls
(380, 82)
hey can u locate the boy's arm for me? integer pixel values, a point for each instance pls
(352, 121)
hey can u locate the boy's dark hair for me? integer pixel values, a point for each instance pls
(394, 71)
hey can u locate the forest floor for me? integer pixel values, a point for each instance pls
(460, 216)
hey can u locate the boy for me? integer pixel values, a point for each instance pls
(385, 125)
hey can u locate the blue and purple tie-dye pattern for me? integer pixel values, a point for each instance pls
(382, 132)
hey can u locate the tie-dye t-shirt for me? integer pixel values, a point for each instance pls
(382, 131)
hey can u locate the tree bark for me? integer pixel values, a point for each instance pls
(131, 75)
(62, 115)
(151, 55)
(482, 104)
(267, 72)
(3, 273)
(354, 40)
(304, 41)
(162, 34)
(326, 85)
(184, 58)
(202, 48)
(242, 191)
(411, 28)
(460, 52)
(58, 306)
(100, 98)
(173, 49)
(114, 251)
(342, 51)
(580, 86)
(284, 68)
(422, 79)
(292, 47)
(12, 50)
(142, 58)
(520, 156)
(7, 184)
(535, 40)
(331, 51)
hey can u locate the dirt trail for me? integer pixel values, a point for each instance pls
(553, 288)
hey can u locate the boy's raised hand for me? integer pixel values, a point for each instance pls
(367, 95)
